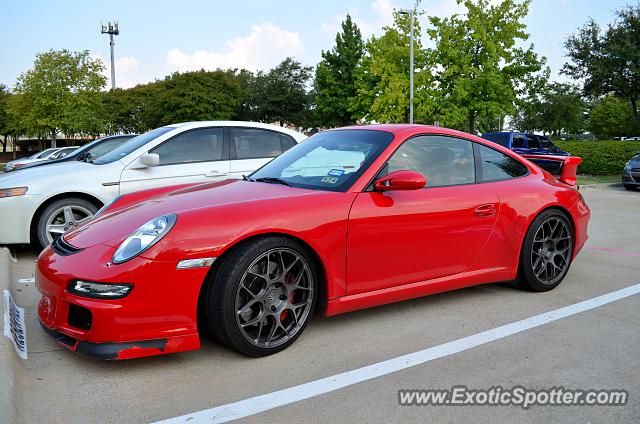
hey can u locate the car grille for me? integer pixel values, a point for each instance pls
(63, 248)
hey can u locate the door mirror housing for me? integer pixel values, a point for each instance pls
(401, 180)
(149, 159)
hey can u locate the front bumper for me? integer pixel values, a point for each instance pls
(631, 178)
(16, 214)
(158, 316)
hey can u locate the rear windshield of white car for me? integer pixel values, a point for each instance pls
(131, 145)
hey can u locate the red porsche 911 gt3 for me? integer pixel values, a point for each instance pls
(350, 218)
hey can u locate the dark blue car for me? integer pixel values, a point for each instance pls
(527, 144)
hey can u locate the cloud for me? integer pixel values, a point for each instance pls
(128, 72)
(264, 47)
(382, 11)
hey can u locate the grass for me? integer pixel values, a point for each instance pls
(598, 179)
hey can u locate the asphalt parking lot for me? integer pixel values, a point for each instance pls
(594, 349)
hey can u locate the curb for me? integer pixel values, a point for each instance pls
(9, 369)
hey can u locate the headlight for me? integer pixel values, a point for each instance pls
(12, 192)
(627, 167)
(144, 237)
(99, 290)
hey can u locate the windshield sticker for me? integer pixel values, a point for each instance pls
(330, 180)
(336, 172)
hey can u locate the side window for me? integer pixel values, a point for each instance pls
(286, 142)
(253, 143)
(533, 142)
(518, 141)
(496, 166)
(201, 145)
(444, 161)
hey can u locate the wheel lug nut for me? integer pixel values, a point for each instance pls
(283, 297)
(273, 308)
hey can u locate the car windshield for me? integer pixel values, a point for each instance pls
(330, 160)
(131, 145)
(91, 146)
(43, 153)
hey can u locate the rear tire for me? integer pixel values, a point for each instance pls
(546, 253)
(61, 216)
(263, 296)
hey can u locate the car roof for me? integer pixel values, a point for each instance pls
(410, 129)
(198, 124)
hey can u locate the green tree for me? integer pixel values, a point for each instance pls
(611, 116)
(191, 96)
(609, 61)
(559, 107)
(124, 110)
(479, 67)
(5, 116)
(280, 94)
(61, 93)
(382, 77)
(335, 77)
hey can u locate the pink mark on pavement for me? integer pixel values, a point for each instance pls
(619, 252)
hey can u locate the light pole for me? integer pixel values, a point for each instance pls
(410, 13)
(111, 29)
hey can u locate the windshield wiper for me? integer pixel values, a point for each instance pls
(247, 178)
(273, 180)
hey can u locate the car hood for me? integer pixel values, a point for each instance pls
(31, 176)
(112, 227)
(635, 161)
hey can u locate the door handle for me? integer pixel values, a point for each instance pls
(486, 210)
(215, 173)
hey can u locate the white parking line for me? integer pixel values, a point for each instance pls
(257, 404)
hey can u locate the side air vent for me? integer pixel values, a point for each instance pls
(63, 248)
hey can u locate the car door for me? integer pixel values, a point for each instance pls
(253, 147)
(193, 156)
(400, 237)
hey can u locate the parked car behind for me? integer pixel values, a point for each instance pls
(631, 173)
(45, 202)
(16, 163)
(89, 151)
(531, 146)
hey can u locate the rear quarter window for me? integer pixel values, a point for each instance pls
(496, 166)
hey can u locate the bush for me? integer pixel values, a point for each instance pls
(606, 157)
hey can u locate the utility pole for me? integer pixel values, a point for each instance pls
(111, 29)
(410, 13)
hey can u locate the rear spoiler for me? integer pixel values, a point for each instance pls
(562, 167)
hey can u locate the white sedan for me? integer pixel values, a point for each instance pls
(41, 203)
(40, 156)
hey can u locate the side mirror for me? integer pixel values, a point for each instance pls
(401, 180)
(150, 159)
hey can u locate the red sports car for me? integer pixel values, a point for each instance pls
(350, 218)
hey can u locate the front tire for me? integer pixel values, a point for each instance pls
(263, 296)
(62, 216)
(547, 251)
(630, 187)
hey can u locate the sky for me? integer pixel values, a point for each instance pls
(160, 37)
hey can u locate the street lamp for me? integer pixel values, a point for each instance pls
(410, 13)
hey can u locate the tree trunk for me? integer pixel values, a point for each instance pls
(472, 122)
(634, 108)
(53, 138)
(4, 144)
